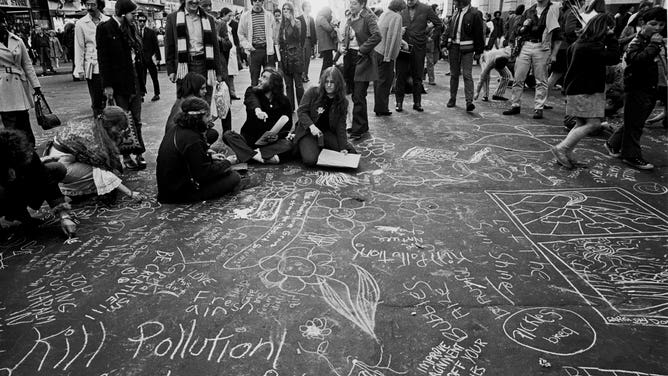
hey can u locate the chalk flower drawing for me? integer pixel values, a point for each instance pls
(315, 329)
(422, 212)
(374, 147)
(295, 268)
(342, 215)
(360, 309)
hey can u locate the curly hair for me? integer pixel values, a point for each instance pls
(15, 151)
(276, 85)
(192, 116)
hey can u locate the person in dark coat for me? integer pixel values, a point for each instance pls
(185, 171)
(117, 42)
(310, 36)
(327, 37)
(359, 62)
(465, 41)
(268, 122)
(68, 43)
(414, 19)
(150, 48)
(291, 54)
(322, 118)
(40, 42)
(26, 181)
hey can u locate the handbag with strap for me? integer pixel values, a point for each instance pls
(130, 142)
(45, 117)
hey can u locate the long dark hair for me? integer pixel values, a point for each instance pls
(276, 85)
(190, 85)
(596, 29)
(289, 26)
(192, 116)
(339, 101)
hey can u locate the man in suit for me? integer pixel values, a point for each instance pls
(466, 41)
(414, 19)
(117, 45)
(308, 25)
(150, 48)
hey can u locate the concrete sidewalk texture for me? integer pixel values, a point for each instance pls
(458, 247)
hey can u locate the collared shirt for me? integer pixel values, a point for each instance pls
(458, 30)
(308, 23)
(194, 25)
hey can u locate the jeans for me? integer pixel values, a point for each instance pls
(461, 63)
(258, 60)
(245, 152)
(19, 120)
(96, 92)
(308, 48)
(327, 60)
(293, 85)
(411, 66)
(360, 115)
(638, 105)
(533, 56)
(382, 87)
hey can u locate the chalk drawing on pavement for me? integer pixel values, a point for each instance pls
(581, 212)
(295, 268)
(650, 188)
(624, 279)
(590, 371)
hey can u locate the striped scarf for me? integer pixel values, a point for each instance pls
(182, 46)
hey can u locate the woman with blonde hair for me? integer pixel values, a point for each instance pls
(291, 41)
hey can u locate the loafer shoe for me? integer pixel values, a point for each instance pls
(451, 103)
(418, 108)
(470, 107)
(512, 111)
(537, 114)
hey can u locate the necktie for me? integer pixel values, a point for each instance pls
(456, 25)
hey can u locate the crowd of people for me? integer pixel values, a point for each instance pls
(395, 48)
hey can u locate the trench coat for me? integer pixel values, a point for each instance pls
(17, 76)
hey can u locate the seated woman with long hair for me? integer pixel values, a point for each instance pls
(268, 122)
(193, 85)
(90, 154)
(185, 171)
(322, 118)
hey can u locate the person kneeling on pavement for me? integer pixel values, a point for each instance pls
(27, 181)
(322, 118)
(268, 122)
(90, 154)
(186, 171)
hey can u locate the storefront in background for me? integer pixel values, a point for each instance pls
(19, 17)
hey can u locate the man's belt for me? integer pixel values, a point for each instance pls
(260, 46)
(198, 57)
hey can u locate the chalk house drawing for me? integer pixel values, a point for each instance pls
(295, 268)
(345, 214)
(581, 212)
(628, 275)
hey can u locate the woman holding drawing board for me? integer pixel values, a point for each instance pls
(322, 118)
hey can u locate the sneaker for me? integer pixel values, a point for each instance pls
(611, 151)
(561, 157)
(512, 111)
(638, 163)
(537, 114)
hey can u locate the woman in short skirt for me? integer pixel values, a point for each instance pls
(584, 82)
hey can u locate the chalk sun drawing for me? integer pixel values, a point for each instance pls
(317, 328)
(359, 309)
(295, 269)
(586, 211)
(345, 214)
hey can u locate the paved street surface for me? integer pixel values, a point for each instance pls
(459, 247)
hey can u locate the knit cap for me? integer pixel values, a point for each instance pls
(124, 7)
